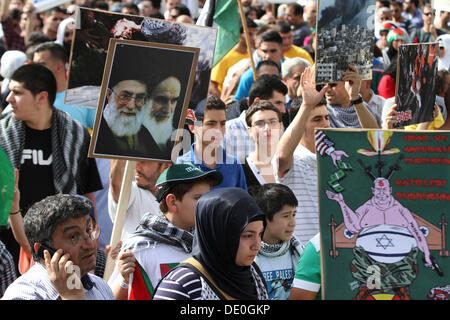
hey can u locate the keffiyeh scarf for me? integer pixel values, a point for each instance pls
(154, 229)
(69, 140)
(279, 249)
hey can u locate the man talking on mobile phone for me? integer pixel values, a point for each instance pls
(62, 240)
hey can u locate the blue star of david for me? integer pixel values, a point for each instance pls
(384, 242)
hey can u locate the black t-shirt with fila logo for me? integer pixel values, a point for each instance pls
(36, 174)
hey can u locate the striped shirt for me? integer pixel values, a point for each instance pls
(237, 140)
(302, 179)
(181, 284)
(35, 284)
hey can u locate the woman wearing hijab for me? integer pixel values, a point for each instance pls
(228, 230)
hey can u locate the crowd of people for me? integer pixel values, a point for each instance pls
(234, 217)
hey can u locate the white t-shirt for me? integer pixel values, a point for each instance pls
(278, 273)
(141, 201)
(156, 260)
(302, 179)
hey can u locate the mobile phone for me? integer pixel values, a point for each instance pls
(43, 247)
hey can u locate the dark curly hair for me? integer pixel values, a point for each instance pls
(44, 216)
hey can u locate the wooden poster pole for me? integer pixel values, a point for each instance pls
(119, 220)
(247, 38)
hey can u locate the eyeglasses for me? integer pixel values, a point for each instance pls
(92, 234)
(261, 124)
(125, 97)
(76, 238)
(428, 14)
(164, 100)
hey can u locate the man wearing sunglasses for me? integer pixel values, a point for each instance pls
(429, 32)
(62, 239)
(121, 131)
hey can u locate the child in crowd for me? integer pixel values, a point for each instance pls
(280, 250)
(162, 241)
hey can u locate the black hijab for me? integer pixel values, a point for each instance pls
(221, 216)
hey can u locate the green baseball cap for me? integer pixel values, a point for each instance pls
(182, 173)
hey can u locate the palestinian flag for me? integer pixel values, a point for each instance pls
(223, 14)
(141, 286)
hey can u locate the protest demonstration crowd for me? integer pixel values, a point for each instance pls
(234, 215)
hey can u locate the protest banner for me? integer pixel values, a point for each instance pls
(416, 83)
(345, 36)
(144, 96)
(384, 211)
(93, 30)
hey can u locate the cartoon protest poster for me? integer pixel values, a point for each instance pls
(384, 207)
(416, 83)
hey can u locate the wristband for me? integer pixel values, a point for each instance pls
(13, 213)
(357, 101)
(123, 285)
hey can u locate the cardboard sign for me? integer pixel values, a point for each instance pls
(345, 35)
(384, 211)
(416, 83)
(145, 90)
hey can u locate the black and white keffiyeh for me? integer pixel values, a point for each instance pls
(69, 140)
(277, 250)
(153, 229)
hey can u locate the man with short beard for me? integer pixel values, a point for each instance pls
(161, 108)
(121, 132)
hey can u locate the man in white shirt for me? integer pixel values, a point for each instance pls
(142, 199)
(294, 162)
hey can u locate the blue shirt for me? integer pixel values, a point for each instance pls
(85, 116)
(231, 170)
(416, 19)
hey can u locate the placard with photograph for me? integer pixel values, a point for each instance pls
(416, 83)
(384, 209)
(145, 92)
(93, 30)
(345, 36)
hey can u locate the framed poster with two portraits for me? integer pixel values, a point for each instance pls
(145, 91)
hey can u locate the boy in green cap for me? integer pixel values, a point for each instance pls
(162, 241)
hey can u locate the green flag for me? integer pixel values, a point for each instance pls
(6, 187)
(225, 15)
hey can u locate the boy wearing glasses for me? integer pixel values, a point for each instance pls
(121, 131)
(62, 239)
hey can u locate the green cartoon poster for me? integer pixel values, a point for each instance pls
(384, 202)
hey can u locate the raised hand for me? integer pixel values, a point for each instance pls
(307, 88)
